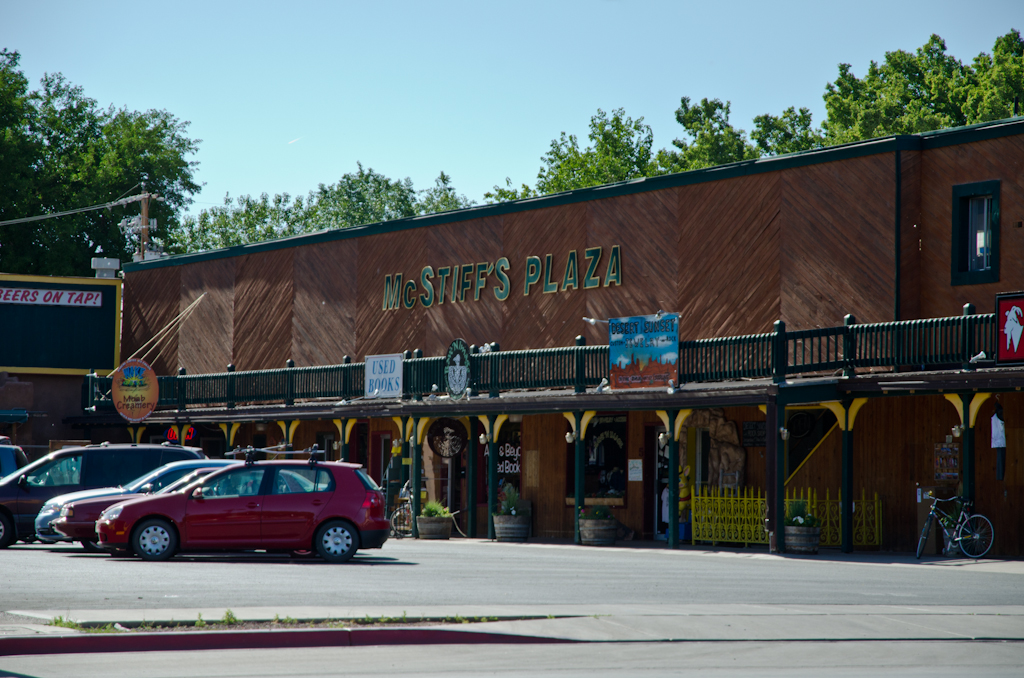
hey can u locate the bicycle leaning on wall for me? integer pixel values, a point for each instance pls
(970, 534)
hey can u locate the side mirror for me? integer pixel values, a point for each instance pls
(147, 488)
(23, 480)
(197, 493)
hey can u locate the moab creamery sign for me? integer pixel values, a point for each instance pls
(135, 390)
(458, 283)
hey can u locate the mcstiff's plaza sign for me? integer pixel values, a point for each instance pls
(454, 284)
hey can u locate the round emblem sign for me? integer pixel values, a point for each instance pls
(447, 437)
(135, 390)
(456, 369)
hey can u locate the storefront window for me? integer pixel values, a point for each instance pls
(604, 462)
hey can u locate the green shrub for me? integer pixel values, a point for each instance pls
(434, 509)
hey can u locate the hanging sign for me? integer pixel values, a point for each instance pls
(1010, 324)
(456, 369)
(643, 350)
(135, 390)
(447, 437)
(383, 376)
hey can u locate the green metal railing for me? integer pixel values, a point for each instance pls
(930, 343)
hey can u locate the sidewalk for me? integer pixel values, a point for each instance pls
(520, 624)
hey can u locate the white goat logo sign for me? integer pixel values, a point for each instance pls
(1013, 328)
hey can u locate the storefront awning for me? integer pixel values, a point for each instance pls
(13, 416)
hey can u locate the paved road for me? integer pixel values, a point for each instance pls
(722, 660)
(408, 574)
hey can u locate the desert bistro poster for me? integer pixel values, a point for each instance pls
(643, 350)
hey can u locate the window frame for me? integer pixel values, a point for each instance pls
(960, 273)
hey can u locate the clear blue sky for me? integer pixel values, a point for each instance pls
(286, 96)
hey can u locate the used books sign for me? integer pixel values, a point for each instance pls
(643, 350)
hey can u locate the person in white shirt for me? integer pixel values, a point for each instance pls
(999, 440)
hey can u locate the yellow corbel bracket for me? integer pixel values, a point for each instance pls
(958, 404)
(288, 429)
(229, 432)
(584, 422)
(976, 402)
(855, 408)
(136, 433)
(405, 433)
(502, 418)
(421, 429)
(763, 408)
(681, 416)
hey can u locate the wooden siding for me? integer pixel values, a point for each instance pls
(910, 235)
(943, 168)
(324, 310)
(204, 342)
(838, 251)
(263, 310)
(151, 301)
(728, 231)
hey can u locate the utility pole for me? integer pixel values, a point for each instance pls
(144, 239)
(141, 223)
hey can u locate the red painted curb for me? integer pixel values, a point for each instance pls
(240, 640)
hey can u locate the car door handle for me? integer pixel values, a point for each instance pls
(253, 505)
(317, 502)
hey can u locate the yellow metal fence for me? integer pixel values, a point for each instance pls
(739, 517)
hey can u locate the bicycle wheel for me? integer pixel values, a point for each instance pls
(924, 535)
(975, 536)
(401, 521)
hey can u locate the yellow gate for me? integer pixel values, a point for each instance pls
(739, 517)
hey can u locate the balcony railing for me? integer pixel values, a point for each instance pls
(925, 344)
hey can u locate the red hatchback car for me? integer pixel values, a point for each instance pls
(333, 508)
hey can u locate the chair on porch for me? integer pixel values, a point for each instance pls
(728, 482)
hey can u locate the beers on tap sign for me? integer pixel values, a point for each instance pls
(135, 390)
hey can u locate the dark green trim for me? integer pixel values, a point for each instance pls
(858, 149)
(962, 193)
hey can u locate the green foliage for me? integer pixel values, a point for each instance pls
(927, 90)
(508, 501)
(789, 133)
(434, 509)
(361, 197)
(595, 513)
(798, 515)
(229, 618)
(199, 621)
(620, 150)
(710, 138)
(59, 150)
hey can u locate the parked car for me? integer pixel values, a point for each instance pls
(23, 493)
(333, 508)
(12, 458)
(77, 519)
(147, 483)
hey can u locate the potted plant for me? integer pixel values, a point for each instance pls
(512, 520)
(597, 526)
(434, 521)
(802, 528)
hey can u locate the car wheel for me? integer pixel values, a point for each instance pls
(91, 547)
(155, 539)
(6, 531)
(337, 541)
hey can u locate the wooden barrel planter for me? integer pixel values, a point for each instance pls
(802, 539)
(434, 527)
(598, 532)
(511, 528)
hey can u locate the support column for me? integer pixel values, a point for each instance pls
(492, 475)
(229, 429)
(775, 470)
(578, 484)
(673, 482)
(472, 447)
(968, 412)
(417, 471)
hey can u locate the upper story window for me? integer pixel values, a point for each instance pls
(975, 254)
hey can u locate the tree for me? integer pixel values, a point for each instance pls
(924, 91)
(789, 133)
(442, 197)
(712, 140)
(620, 150)
(78, 155)
(361, 197)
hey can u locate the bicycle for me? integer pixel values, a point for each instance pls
(971, 534)
(401, 517)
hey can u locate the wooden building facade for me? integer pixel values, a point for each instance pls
(875, 229)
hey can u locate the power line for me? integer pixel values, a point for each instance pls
(108, 205)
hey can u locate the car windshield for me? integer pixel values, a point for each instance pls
(180, 483)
